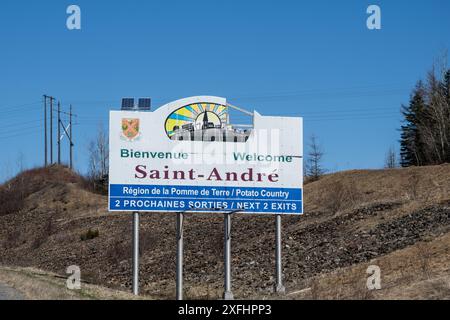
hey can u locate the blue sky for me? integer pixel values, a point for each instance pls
(316, 59)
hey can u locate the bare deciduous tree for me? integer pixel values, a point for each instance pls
(314, 168)
(435, 127)
(391, 159)
(98, 150)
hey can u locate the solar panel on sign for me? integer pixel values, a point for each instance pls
(127, 103)
(144, 103)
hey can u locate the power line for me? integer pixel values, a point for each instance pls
(355, 91)
(21, 114)
(324, 95)
(63, 112)
(301, 113)
(20, 129)
(309, 115)
(342, 110)
(354, 118)
(20, 106)
(304, 115)
(17, 124)
(328, 90)
(320, 93)
(22, 133)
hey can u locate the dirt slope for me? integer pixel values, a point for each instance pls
(352, 218)
(35, 284)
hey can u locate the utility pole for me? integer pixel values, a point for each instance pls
(51, 129)
(45, 130)
(59, 137)
(59, 133)
(71, 138)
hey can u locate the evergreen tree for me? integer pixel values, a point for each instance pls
(411, 151)
(425, 133)
(446, 91)
(447, 86)
(314, 168)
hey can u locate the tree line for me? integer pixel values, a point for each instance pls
(425, 133)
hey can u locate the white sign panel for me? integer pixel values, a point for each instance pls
(189, 156)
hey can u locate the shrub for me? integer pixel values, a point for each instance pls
(46, 232)
(119, 251)
(12, 239)
(147, 242)
(38, 241)
(11, 200)
(340, 196)
(95, 185)
(90, 234)
(424, 259)
(413, 186)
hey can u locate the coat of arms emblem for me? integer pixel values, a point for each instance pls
(130, 129)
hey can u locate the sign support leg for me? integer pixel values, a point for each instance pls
(279, 287)
(179, 293)
(228, 294)
(136, 253)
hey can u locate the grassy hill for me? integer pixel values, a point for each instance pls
(397, 219)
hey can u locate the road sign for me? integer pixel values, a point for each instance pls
(188, 155)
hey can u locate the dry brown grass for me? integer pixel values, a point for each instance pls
(340, 196)
(422, 184)
(36, 284)
(13, 193)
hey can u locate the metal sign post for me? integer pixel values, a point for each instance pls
(179, 293)
(279, 288)
(227, 294)
(136, 253)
